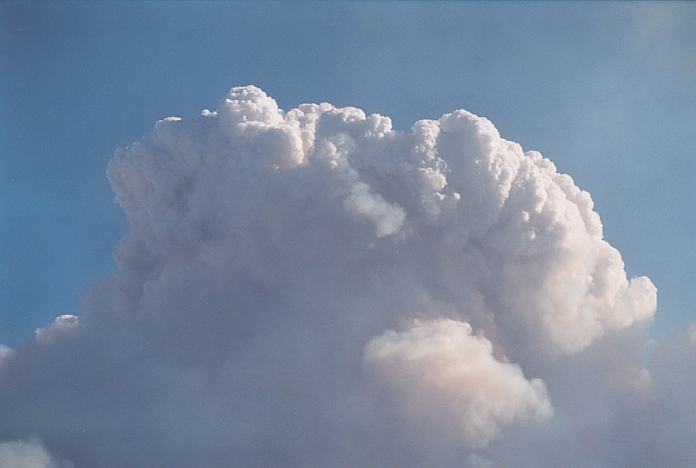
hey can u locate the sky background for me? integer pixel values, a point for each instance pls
(604, 90)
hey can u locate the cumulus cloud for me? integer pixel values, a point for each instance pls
(438, 369)
(269, 257)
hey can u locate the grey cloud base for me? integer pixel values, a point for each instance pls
(312, 288)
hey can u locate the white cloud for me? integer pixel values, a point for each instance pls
(438, 371)
(454, 184)
(266, 248)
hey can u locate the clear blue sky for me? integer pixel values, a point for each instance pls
(605, 90)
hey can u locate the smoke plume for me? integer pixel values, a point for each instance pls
(312, 288)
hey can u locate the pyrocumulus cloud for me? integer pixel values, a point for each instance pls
(311, 288)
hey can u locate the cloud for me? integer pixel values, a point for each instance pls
(271, 254)
(61, 325)
(27, 454)
(439, 370)
(5, 352)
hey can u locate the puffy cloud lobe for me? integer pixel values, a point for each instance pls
(267, 255)
(61, 325)
(439, 369)
(27, 454)
(362, 202)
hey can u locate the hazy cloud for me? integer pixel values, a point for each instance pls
(27, 454)
(438, 370)
(302, 287)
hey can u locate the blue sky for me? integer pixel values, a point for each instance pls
(605, 90)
